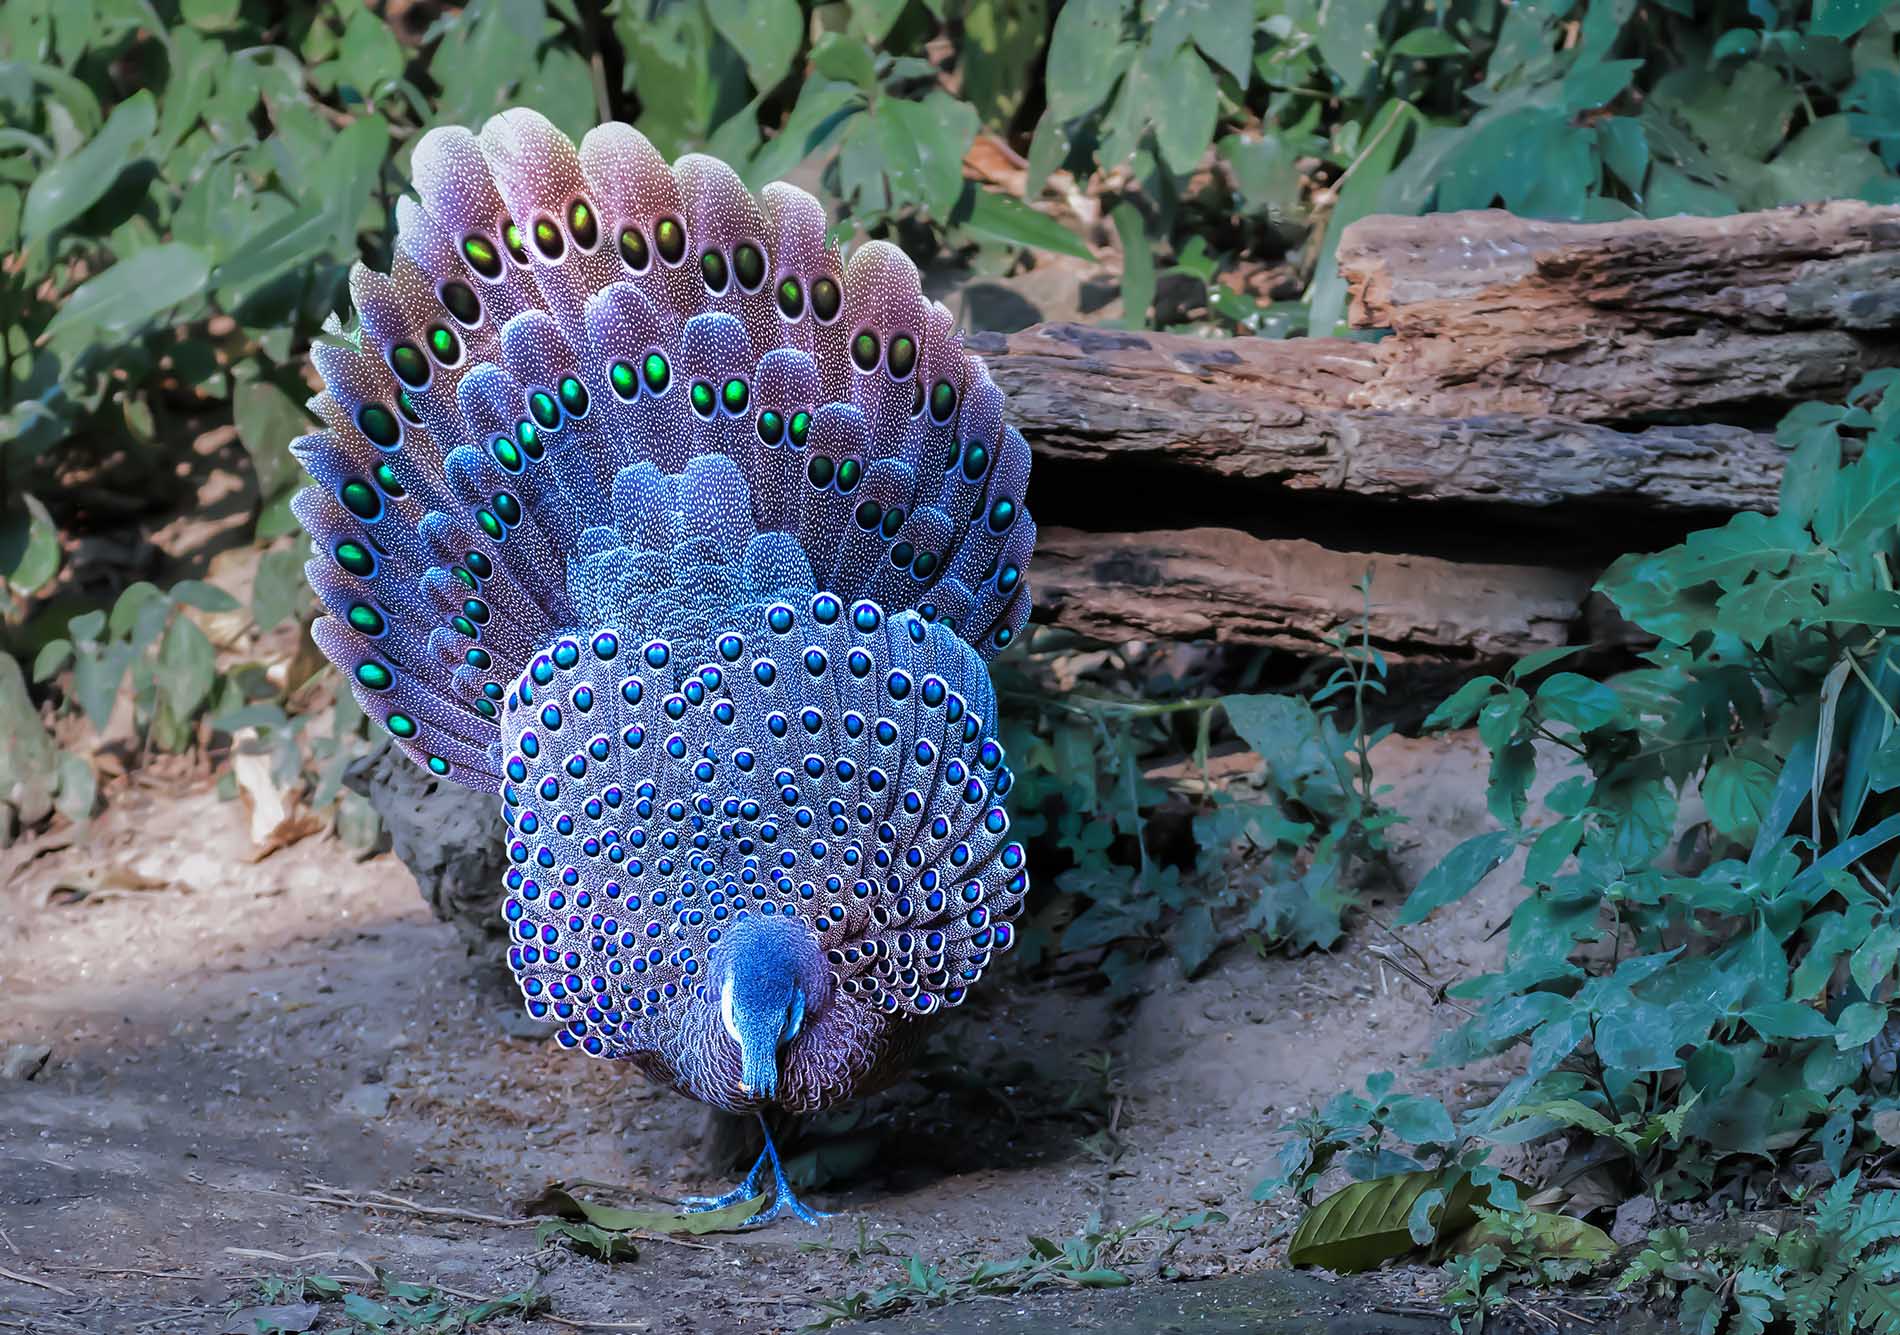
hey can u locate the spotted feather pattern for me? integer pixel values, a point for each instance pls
(821, 761)
(598, 390)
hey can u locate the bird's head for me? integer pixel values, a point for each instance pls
(772, 981)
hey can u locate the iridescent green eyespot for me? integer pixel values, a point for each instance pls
(820, 471)
(943, 400)
(361, 500)
(633, 250)
(923, 565)
(573, 396)
(380, 425)
(712, 265)
(529, 436)
(463, 626)
(437, 765)
(406, 360)
(869, 514)
(386, 479)
(402, 725)
(825, 299)
(511, 237)
(407, 406)
(771, 427)
(791, 298)
(482, 256)
(355, 558)
(902, 555)
(367, 619)
(850, 473)
(903, 355)
(580, 221)
(475, 610)
(893, 520)
(508, 508)
(459, 300)
(479, 563)
(671, 238)
(1002, 515)
(801, 423)
(490, 525)
(548, 239)
(375, 676)
(976, 460)
(656, 372)
(864, 350)
(505, 453)
(625, 383)
(467, 580)
(734, 395)
(545, 411)
(749, 263)
(446, 347)
(702, 398)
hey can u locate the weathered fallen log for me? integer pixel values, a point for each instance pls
(1274, 412)
(1289, 593)
(1628, 321)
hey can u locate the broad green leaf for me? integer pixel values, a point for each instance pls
(205, 597)
(187, 668)
(1086, 56)
(267, 421)
(765, 33)
(1194, 939)
(1788, 1019)
(71, 186)
(1001, 218)
(29, 547)
(1457, 875)
(838, 57)
(1224, 32)
(112, 306)
(1428, 44)
(1738, 790)
(924, 143)
(560, 1202)
(1550, 1237)
(871, 20)
(1625, 150)
(1138, 265)
(370, 55)
(279, 589)
(28, 761)
(1462, 706)
(1187, 103)
(1568, 697)
(78, 788)
(1366, 1224)
(1348, 39)
(1843, 19)
(1859, 1023)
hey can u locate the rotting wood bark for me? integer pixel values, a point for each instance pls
(1288, 593)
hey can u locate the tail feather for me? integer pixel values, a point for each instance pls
(596, 391)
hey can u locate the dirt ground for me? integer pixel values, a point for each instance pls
(243, 1053)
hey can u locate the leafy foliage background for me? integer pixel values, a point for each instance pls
(1702, 964)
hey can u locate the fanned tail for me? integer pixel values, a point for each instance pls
(598, 392)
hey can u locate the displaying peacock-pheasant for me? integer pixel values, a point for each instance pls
(637, 508)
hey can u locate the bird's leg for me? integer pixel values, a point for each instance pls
(748, 1187)
(783, 1198)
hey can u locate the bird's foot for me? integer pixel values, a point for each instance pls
(784, 1199)
(748, 1187)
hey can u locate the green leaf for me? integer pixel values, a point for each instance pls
(1366, 1224)
(29, 547)
(28, 761)
(112, 306)
(205, 597)
(1462, 706)
(765, 33)
(1569, 697)
(1859, 1023)
(1428, 44)
(1348, 39)
(1002, 218)
(1625, 150)
(923, 144)
(1457, 875)
(1186, 106)
(1086, 56)
(71, 186)
(187, 668)
(1865, 501)
(1787, 1019)
(1549, 1237)
(78, 788)
(279, 591)
(560, 1202)
(1738, 790)
(838, 57)
(267, 421)
(1843, 19)
(1138, 265)
(1194, 939)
